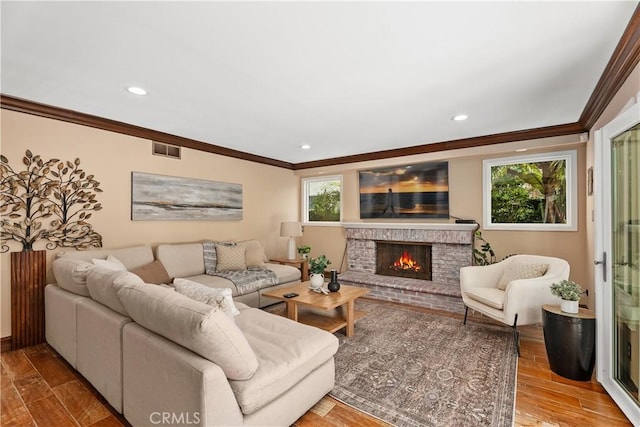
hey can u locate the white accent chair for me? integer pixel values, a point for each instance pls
(520, 303)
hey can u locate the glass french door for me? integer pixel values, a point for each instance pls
(617, 204)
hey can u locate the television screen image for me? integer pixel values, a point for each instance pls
(410, 191)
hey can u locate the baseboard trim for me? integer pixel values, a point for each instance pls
(5, 344)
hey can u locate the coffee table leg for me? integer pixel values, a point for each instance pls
(292, 310)
(349, 318)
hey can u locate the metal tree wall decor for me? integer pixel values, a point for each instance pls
(49, 200)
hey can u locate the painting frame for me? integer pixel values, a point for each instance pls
(416, 190)
(169, 198)
(564, 202)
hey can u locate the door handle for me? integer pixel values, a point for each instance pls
(603, 262)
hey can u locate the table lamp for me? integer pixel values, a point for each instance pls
(291, 229)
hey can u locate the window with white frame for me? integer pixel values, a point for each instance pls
(531, 192)
(322, 199)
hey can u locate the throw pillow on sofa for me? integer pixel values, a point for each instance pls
(254, 253)
(71, 274)
(217, 297)
(111, 262)
(211, 256)
(154, 272)
(104, 283)
(230, 258)
(191, 324)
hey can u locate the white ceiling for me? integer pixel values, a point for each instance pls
(345, 77)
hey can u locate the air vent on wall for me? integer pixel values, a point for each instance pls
(166, 150)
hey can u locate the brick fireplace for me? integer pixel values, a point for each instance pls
(450, 248)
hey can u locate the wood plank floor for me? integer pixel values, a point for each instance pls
(39, 388)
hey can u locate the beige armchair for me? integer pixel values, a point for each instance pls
(499, 291)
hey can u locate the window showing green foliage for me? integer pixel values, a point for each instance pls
(529, 193)
(322, 199)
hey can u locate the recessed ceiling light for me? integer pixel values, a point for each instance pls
(137, 90)
(521, 150)
(305, 147)
(460, 117)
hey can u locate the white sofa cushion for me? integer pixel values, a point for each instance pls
(287, 352)
(71, 274)
(104, 283)
(215, 297)
(493, 297)
(131, 257)
(182, 260)
(192, 324)
(285, 273)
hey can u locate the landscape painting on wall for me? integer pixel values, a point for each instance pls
(410, 191)
(168, 198)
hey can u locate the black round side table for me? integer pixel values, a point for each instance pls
(570, 340)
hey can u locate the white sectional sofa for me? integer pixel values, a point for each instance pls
(186, 260)
(148, 349)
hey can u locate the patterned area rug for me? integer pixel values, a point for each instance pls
(411, 368)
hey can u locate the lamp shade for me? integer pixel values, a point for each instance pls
(290, 229)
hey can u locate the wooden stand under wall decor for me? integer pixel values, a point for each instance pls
(28, 279)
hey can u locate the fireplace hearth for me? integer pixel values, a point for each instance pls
(403, 259)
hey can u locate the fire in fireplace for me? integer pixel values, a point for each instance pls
(406, 262)
(403, 259)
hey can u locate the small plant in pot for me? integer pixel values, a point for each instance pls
(304, 250)
(570, 293)
(317, 267)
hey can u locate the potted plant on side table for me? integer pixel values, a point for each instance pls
(317, 267)
(570, 293)
(304, 250)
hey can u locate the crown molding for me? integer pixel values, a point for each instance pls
(623, 61)
(75, 117)
(479, 141)
(56, 113)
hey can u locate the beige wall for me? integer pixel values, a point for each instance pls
(465, 189)
(465, 193)
(270, 194)
(629, 90)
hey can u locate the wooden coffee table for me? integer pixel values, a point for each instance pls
(331, 318)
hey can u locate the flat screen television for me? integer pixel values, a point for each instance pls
(410, 191)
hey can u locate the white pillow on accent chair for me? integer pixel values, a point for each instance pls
(521, 270)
